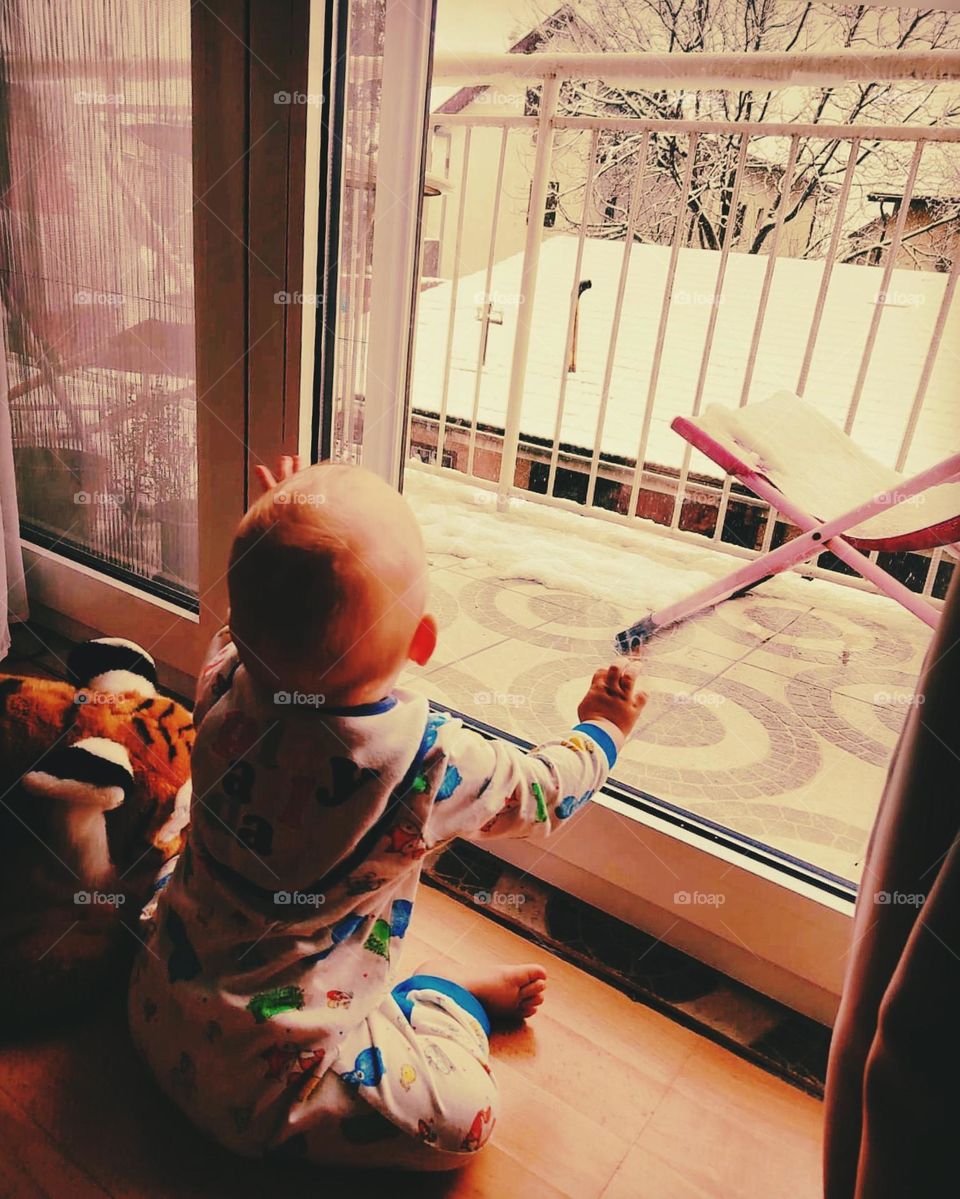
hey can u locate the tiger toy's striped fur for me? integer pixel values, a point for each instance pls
(94, 779)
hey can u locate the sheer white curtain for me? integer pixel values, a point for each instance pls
(13, 591)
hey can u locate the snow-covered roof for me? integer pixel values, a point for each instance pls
(905, 331)
(440, 94)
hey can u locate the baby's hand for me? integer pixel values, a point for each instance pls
(613, 696)
(287, 466)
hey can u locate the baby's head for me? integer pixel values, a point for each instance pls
(328, 585)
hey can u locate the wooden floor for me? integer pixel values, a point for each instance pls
(601, 1097)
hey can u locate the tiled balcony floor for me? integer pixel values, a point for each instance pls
(774, 714)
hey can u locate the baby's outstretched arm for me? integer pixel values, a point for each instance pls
(491, 788)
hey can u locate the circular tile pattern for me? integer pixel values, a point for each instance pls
(584, 610)
(886, 644)
(856, 637)
(697, 728)
(480, 597)
(743, 798)
(776, 619)
(814, 698)
(785, 758)
(892, 715)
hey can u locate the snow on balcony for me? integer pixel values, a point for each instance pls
(773, 715)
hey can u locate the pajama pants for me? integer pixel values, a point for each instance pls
(411, 1087)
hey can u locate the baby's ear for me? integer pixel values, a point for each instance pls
(424, 641)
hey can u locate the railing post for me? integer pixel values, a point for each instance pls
(528, 285)
(396, 223)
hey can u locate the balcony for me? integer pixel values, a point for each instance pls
(584, 279)
(561, 327)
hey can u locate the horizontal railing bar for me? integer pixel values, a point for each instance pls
(738, 72)
(827, 132)
(478, 121)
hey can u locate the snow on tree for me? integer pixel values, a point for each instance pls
(745, 27)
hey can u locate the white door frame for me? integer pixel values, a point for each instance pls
(408, 44)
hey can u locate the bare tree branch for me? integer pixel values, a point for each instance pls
(745, 26)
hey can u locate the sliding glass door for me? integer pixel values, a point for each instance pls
(377, 193)
(127, 135)
(599, 253)
(96, 284)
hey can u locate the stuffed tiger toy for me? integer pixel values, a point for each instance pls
(94, 798)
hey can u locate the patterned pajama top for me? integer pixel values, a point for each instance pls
(277, 935)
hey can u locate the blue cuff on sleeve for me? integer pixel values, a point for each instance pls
(602, 738)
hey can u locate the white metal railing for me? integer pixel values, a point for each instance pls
(694, 70)
(732, 71)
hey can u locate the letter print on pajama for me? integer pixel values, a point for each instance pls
(268, 1000)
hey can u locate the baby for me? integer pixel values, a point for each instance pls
(267, 1000)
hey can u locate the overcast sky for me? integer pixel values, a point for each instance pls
(488, 26)
(465, 25)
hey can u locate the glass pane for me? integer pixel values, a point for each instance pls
(96, 281)
(359, 146)
(683, 266)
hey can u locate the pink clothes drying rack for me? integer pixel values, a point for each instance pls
(839, 497)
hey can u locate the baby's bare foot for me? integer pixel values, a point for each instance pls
(510, 991)
(506, 992)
